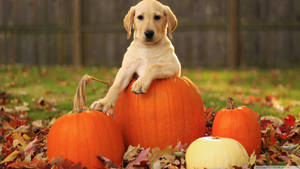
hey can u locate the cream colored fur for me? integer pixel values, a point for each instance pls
(149, 59)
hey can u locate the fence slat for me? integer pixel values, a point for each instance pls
(42, 49)
(233, 60)
(77, 60)
(2, 53)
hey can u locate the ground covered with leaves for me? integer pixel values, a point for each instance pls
(23, 144)
(31, 98)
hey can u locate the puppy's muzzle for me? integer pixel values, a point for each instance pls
(149, 35)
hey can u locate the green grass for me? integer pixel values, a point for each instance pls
(58, 84)
(218, 84)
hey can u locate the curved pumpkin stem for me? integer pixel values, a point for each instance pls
(79, 98)
(230, 103)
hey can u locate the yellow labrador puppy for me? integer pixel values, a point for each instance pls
(150, 55)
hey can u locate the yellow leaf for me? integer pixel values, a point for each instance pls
(26, 137)
(252, 159)
(10, 157)
(19, 141)
(16, 135)
(295, 159)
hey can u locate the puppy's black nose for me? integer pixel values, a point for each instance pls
(149, 34)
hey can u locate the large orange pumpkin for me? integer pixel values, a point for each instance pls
(82, 136)
(239, 123)
(170, 111)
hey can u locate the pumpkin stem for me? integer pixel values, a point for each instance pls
(79, 98)
(230, 103)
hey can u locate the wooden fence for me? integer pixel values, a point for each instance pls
(214, 33)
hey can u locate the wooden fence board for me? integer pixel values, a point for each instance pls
(29, 49)
(61, 52)
(18, 52)
(52, 50)
(42, 49)
(9, 48)
(279, 12)
(296, 9)
(69, 48)
(295, 47)
(2, 8)
(216, 48)
(2, 48)
(111, 49)
(94, 49)
(197, 46)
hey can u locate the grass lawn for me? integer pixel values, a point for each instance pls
(56, 85)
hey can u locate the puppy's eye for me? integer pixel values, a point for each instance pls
(157, 17)
(140, 17)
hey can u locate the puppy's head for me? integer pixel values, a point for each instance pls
(150, 20)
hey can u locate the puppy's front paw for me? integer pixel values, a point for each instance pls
(103, 105)
(139, 87)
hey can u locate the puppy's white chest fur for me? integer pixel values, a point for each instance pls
(141, 69)
(142, 58)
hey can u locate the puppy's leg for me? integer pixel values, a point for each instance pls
(157, 71)
(121, 81)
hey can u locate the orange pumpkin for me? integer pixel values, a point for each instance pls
(239, 123)
(170, 111)
(82, 136)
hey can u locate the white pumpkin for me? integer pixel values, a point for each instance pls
(215, 152)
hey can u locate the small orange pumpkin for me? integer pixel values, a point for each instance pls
(239, 123)
(170, 111)
(82, 136)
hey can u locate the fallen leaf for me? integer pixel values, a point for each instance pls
(131, 153)
(289, 147)
(10, 157)
(59, 163)
(273, 140)
(274, 120)
(252, 159)
(251, 99)
(22, 129)
(108, 163)
(19, 141)
(290, 120)
(37, 123)
(295, 159)
(277, 105)
(141, 160)
(30, 148)
(35, 163)
(22, 108)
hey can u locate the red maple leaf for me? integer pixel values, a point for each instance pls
(285, 129)
(290, 120)
(283, 136)
(272, 139)
(264, 124)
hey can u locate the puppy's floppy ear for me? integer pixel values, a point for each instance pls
(128, 21)
(171, 19)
